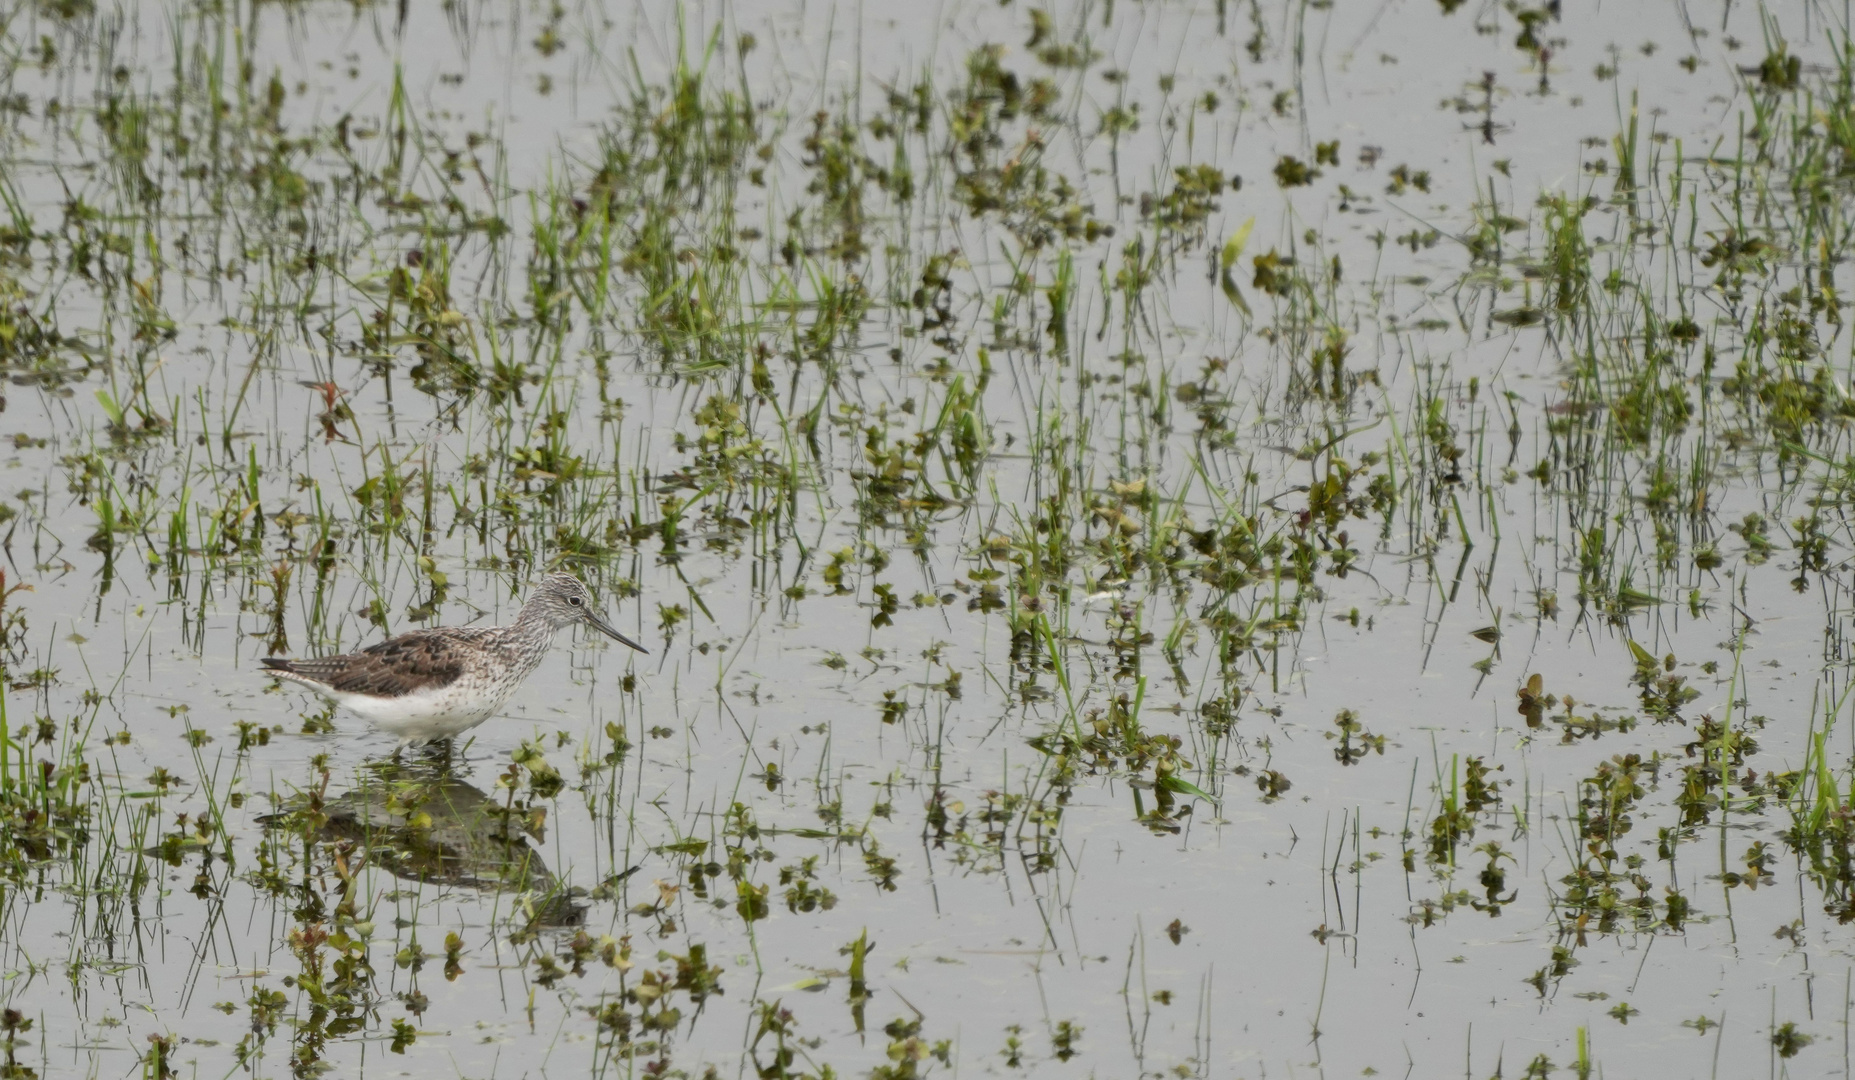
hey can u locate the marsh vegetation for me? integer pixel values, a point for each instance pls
(1208, 539)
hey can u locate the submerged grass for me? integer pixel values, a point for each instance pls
(975, 402)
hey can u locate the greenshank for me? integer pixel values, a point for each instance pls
(428, 685)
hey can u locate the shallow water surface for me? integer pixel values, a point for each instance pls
(1199, 539)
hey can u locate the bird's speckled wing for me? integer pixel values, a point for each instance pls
(422, 660)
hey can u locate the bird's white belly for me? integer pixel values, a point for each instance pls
(425, 715)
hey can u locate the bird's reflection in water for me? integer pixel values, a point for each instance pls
(421, 822)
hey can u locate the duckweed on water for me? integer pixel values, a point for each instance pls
(1129, 499)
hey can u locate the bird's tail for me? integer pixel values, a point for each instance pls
(279, 664)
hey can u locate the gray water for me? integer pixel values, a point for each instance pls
(329, 324)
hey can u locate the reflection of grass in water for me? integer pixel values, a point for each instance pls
(925, 364)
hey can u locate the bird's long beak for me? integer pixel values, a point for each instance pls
(598, 622)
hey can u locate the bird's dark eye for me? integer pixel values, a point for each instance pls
(575, 601)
